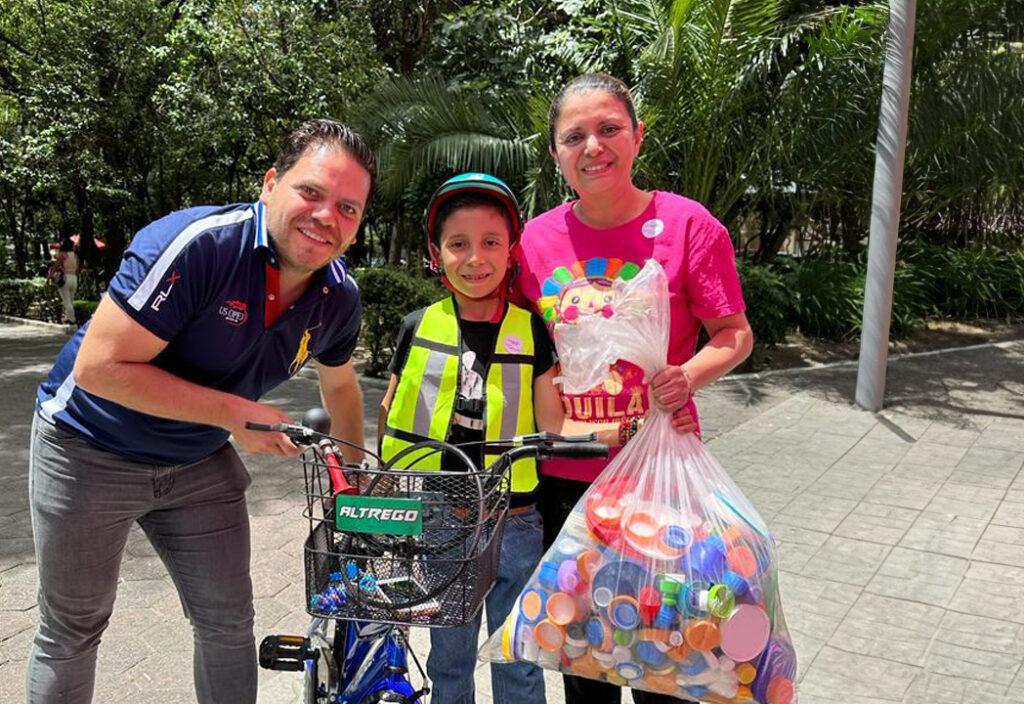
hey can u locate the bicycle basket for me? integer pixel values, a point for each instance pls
(412, 547)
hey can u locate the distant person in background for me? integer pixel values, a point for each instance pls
(64, 275)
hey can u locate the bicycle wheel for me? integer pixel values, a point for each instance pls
(321, 676)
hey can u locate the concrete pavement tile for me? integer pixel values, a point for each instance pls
(1004, 601)
(877, 523)
(793, 557)
(944, 533)
(137, 568)
(159, 594)
(279, 688)
(1003, 436)
(846, 560)
(966, 500)
(272, 507)
(901, 491)
(820, 513)
(904, 422)
(854, 675)
(17, 525)
(934, 454)
(18, 587)
(169, 635)
(16, 551)
(982, 633)
(973, 664)
(942, 434)
(268, 612)
(844, 483)
(786, 533)
(14, 622)
(768, 502)
(183, 694)
(921, 472)
(937, 688)
(995, 573)
(918, 576)
(888, 628)
(267, 584)
(117, 655)
(168, 670)
(1010, 513)
(1001, 544)
(986, 466)
(128, 623)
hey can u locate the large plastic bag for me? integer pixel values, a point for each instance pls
(664, 576)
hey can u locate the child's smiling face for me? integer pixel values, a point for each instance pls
(474, 250)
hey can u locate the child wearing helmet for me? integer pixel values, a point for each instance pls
(505, 386)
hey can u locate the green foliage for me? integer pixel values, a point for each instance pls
(30, 298)
(768, 302)
(84, 310)
(388, 295)
(980, 281)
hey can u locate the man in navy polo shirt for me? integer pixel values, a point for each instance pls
(211, 308)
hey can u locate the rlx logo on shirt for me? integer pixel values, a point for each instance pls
(162, 295)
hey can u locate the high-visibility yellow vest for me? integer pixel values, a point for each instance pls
(429, 381)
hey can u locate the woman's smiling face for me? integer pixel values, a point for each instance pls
(596, 144)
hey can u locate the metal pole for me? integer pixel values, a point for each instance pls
(885, 205)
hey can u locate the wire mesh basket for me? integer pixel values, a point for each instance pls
(416, 547)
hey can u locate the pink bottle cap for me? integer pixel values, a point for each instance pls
(745, 633)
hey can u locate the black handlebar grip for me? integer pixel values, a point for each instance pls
(249, 425)
(578, 450)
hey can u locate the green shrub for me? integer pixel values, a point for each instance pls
(388, 294)
(827, 297)
(30, 298)
(980, 281)
(768, 302)
(84, 310)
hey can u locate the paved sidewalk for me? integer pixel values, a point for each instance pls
(901, 534)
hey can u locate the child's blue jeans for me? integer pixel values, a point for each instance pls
(452, 658)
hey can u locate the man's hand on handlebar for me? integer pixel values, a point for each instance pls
(256, 441)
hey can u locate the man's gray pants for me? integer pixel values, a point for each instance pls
(84, 500)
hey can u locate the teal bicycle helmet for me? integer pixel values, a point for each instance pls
(474, 182)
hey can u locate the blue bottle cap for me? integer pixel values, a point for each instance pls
(548, 575)
(624, 613)
(351, 569)
(697, 691)
(694, 664)
(368, 583)
(666, 617)
(629, 670)
(335, 577)
(650, 655)
(716, 542)
(597, 631)
(737, 585)
(676, 537)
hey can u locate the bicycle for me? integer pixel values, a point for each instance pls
(392, 547)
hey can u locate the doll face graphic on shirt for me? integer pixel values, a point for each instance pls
(590, 287)
(587, 298)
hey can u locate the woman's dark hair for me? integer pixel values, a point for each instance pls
(587, 83)
(323, 132)
(468, 200)
(67, 245)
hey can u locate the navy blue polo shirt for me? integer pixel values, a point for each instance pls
(197, 278)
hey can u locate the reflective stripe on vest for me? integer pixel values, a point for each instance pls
(428, 382)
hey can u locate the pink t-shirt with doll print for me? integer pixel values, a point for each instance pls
(568, 269)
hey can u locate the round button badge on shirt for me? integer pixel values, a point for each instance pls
(652, 228)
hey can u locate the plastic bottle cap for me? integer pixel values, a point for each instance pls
(641, 527)
(721, 601)
(548, 575)
(607, 510)
(745, 673)
(561, 608)
(676, 537)
(624, 637)
(598, 633)
(533, 605)
(745, 633)
(650, 655)
(780, 691)
(576, 634)
(742, 561)
(704, 635)
(573, 651)
(567, 549)
(587, 563)
(624, 612)
(568, 577)
(602, 597)
(675, 639)
(621, 653)
(549, 635)
(630, 671)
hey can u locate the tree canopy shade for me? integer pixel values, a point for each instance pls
(114, 113)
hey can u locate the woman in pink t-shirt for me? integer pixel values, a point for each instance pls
(572, 260)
